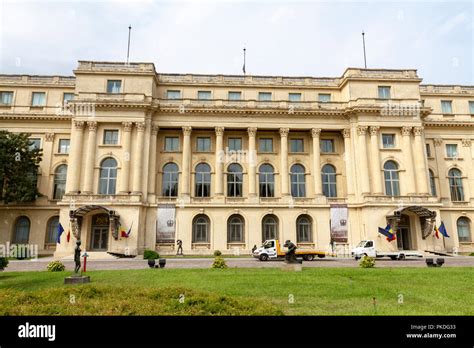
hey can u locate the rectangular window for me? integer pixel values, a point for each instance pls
(38, 99)
(451, 150)
(203, 144)
(35, 143)
(471, 107)
(67, 97)
(388, 141)
(173, 94)
(265, 145)
(171, 144)
(384, 92)
(111, 137)
(235, 95)
(428, 150)
(327, 146)
(204, 95)
(324, 98)
(114, 86)
(446, 106)
(296, 145)
(294, 97)
(64, 145)
(6, 98)
(235, 144)
(264, 96)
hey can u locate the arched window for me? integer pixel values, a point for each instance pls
(392, 182)
(234, 180)
(432, 183)
(170, 180)
(203, 180)
(235, 229)
(21, 233)
(266, 178)
(108, 176)
(328, 178)
(52, 230)
(298, 183)
(304, 229)
(455, 185)
(201, 231)
(464, 229)
(269, 227)
(60, 181)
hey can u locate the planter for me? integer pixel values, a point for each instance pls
(162, 263)
(151, 263)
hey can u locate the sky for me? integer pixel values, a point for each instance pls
(288, 38)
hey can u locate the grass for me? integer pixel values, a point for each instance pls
(314, 291)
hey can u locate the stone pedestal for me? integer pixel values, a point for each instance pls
(77, 279)
(292, 267)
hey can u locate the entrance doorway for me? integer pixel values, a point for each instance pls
(99, 232)
(403, 233)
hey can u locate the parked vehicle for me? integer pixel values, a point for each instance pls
(271, 250)
(367, 247)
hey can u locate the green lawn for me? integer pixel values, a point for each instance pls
(314, 291)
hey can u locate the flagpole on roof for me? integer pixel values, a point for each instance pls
(363, 44)
(128, 47)
(243, 68)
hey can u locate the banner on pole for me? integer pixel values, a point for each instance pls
(339, 219)
(165, 223)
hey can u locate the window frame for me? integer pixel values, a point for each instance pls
(266, 181)
(202, 181)
(207, 229)
(391, 179)
(468, 238)
(229, 93)
(111, 131)
(261, 94)
(11, 93)
(170, 181)
(108, 175)
(43, 104)
(60, 146)
(234, 139)
(300, 232)
(59, 183)
(204, 91)
(333, 145)
(321, 100)
(165, 142)
(234, 229)
(383, 94)
(456, 185)
(329, 181)
(178, 91)
(113, 89)
(446, 102)
(265, 140)
(394, 139)
(295, 141)
(235, 180)
(298, 181)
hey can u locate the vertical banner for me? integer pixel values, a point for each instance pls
(165, 223)
(339, 219)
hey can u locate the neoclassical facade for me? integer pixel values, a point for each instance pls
(134, 159)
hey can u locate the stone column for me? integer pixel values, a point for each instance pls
(138, 158)
(285, 188)
(439, 154)
(220, 158)
(252, 156)
(152, 160)
(467, 154)
(346, 133)
(75, 158)
(126, 141)
(318, 190)
(375, 161)
(420, 162)
(407, 154)
(90, 157)
(362, 156)
(186, 166)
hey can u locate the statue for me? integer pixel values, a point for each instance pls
(290, 256)
(77, 258)
(77, 277)
(179, 242)
(254, 248)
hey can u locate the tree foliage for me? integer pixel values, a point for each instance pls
(19, 163)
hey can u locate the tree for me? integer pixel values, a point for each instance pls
(19, 163)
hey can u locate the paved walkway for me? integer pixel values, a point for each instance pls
(136, 263)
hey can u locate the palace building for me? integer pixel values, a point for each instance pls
(135, 159)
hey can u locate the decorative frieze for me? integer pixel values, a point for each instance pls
(466, 142)
(49, 137)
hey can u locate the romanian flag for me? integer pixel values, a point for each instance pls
(442, 230)
(388, 232)
(125, 234)
(436, 232)
(68, 236)
(60, 232)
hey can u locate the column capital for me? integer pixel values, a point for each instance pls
(78, 125)
(187, 130)
(49, 137)
(466, 142)
(362, 130)
(127, 126)
(315, 132)
(284, 132)
(418, 131)
(406, 131)
(141, 126)
(346, 132)
(219, 131)
(154, 129)
(252, 131)
(374, 130)
(92, 125)
(438, 141)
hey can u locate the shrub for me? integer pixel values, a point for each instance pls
(150, 255)
(471, 254)
(3, 262)
(219, 262)
(56, 266)
(367, 262)
(217, 253)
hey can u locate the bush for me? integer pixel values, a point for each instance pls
(367, 262)
(219, 262)
(150, 255)
(3, 262)
(471, 254)
(56, 266)
(217, 253)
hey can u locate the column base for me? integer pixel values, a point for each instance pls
(151, 198)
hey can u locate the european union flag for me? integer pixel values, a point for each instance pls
(60, 231)
(442, 230)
